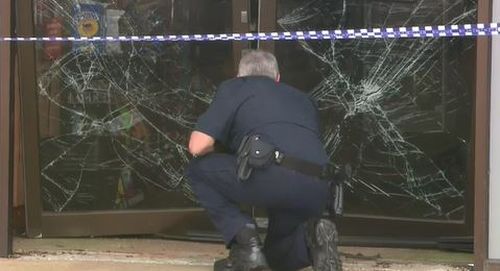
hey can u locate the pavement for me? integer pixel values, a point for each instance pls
(150, 254)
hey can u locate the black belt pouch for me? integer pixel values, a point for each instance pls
(253, 153)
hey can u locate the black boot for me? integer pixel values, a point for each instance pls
(245, 254)
(322, 239)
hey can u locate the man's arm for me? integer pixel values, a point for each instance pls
(215, 124)
(201, 144)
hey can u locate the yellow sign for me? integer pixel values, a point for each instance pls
(88, 27)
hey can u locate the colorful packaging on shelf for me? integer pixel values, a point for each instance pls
(53, 27)
(89, 21)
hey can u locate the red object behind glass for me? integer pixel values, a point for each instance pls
(54, 49)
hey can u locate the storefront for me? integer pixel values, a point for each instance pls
(105, 124)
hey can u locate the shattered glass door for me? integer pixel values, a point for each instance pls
(397, 111)
(115, 116)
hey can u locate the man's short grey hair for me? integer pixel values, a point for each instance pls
(258, 62)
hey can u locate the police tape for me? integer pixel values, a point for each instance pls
(440, 31)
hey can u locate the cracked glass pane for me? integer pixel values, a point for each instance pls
(399, 111)
(114, 117)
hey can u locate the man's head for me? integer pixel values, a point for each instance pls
(258, 62)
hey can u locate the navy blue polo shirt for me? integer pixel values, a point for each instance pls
(281, 114)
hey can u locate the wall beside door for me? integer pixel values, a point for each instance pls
(494, 221)
(6, 109)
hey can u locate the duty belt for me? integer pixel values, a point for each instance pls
(255, 153)
(300, 165)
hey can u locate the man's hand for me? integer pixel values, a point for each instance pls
(200, 143)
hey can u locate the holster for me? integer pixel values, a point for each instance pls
(340, 176)
(253, 153)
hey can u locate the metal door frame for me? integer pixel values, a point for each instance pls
(6, 127)
(96, 223)
(482, 104)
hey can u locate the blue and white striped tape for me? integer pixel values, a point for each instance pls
(440, 31)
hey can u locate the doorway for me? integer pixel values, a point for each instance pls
(112, 119)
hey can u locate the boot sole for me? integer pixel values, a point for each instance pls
(326, 237)
(221, 265)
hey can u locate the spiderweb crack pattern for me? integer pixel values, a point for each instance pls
(106, 104)
(375, 107)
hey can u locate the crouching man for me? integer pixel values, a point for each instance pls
(277, 162)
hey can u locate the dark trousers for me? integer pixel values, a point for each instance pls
(290, 199)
